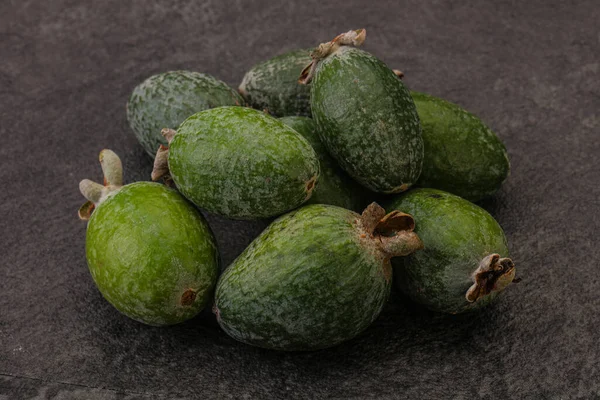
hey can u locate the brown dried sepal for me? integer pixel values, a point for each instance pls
(493, 274)
(371, 216)
(351, 38)
(161, 163)
(394, 222)
(86, 210)
(393, 231)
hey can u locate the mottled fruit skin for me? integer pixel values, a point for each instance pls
(462, 155)
(166, 100)
(335, 186)
(241, 163)
(367, 120)
(151, 254)
(307, 282)
(273, 85)
(457, 235)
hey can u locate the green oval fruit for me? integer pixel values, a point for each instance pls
(314, 278)
(460, 269)
(366, 117)
(273, 85)
(462, 155)
(166, 100)
(335, 186)
(151, 254)
(240, 163)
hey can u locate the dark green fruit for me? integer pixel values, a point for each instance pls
(166, 100)
(366, 117)
(462, 155)
(239, 163)
(335, 186)
(151, 254)
(273, 85)
(314, 278)
(461, 267)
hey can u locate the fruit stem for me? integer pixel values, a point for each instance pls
(493, 274)
(95, 193)
(394, 230)
(351, 38)
(161, 161)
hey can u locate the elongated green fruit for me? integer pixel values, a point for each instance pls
(239, 163)
(464, 264)
(462, 155)
(151, 254)
(335, 186)
(273, 85)
(366, 117)
(166, 100)
(314, 278)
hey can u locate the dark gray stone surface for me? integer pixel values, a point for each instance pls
(530, 69)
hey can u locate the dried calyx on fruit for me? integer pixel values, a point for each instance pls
(239, 163)
(150, 252)
(364, 115)
(464, 265)
(314, 278)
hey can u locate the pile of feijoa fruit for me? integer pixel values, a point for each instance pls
(311, 137)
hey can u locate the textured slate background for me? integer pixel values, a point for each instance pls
(530, 69)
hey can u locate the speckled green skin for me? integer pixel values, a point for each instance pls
(367, 120)
(241, 163)
(335, 186)
(273, 85)
(166, 100)
(307, 282)
(462, 155)
(146, 246)
(457, 235)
